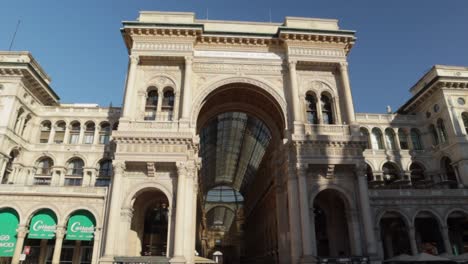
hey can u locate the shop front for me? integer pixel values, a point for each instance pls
(9, 221)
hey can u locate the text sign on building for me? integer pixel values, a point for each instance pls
(80, 227)
(43, 225)
(8, 225)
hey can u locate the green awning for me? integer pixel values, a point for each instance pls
(81, 226)
(43, 225)
(9, 221)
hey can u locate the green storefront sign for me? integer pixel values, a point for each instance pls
(9, 221)
(80, 226)
(43, 225)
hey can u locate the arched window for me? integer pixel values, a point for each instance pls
(9, 166)
(311, 105)
(43, 174)
(327, 114)
(104, 133)
(168, 104)
(45, 132)
(390, 138)
(75, 128)
(18, 119)
(26, 123)
(369, 173)
(433, 132)
(465, 121)
(89, 133)
(105, 173)
(442, 131)
(60, 132)
(377, 142)
(74, 174)
(417, 173)
(403, 138)
(448, 172)
(416, 139)
(390, 173)
(151, 103)
(365, 133)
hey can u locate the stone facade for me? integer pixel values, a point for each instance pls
(331, 183)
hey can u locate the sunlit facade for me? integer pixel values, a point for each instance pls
(237, 142)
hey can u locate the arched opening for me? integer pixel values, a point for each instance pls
(46, 127)
(442, 130)
(75, 172)
(105, 173)
(416, 139)
(365, 133)
(43, 175)
(433, 132)
(104, 133)
(18, 119)
(311, 105)
(377, 141)
(390, 138)
(26, 124)
(465, 121)
(457, 223)
(150, 224)
(9, 220)
(41, 237)
(390, 174)
(447, 172)
(60, 128)
(327, 109)
(394, 235)
(75, 128)
(417, 175)
(9, 167)
(428, 235)
(403, 137)
(151, 103)
(168, 104)
(331, 224)
(78, 243)
(240, 127)
(90, 127)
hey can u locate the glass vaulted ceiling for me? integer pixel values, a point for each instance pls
(232, 147)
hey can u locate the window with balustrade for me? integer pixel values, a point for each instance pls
(416, 139)
(365, 133)
(390, 138)
(105, 173)
(311, 108)
(434, 136)
(60, 128)
(89, 133)
(43, 175)
(75, 172)
(403, 137)
(168, 103)
(104, 133)
(46, 127)
(442, 130)
(18, 119)
(327, 109)
(25, 124)
(151, 106)
(377, 141)
(75, 128)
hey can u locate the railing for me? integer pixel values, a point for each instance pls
(42, 180)
(327, 129)
(379, 118)
(422, 193)
(10, 189)
(146, 125)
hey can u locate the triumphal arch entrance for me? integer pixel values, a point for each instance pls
(237, 144)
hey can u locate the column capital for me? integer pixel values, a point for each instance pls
(301, 169)
(292, 63)
(134, 59)
(126, 214)
(60, 232)
(188, 60)
(119, 168)
(22, 231)
(343, 65)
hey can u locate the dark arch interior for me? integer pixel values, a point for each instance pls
(394, 234)
(240, 126)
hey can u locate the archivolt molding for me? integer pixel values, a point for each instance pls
(380, 213)
(210, 87)
(452, 210)
(17, 208)
(92, 210)
(36, 208)
(435, 214)
(161, 81)
(141, 187)
(348, 199)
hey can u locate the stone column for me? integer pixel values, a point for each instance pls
(298, 123)
(159, 103)
(21, 235)
(97, 128)
(51, 135)
(348, 98)
(194, 215)
(457, 175)
(59, 235)
(66, 136)
(126, 215)
(294, 217)
(175, 115)
(189, 232)
(366, 211)
(412, 238)
(307, 239)
(96, 246)
(446, 238)
(130, 89)
(81, 135)
(3, 163)
(114, 210)
(180, 215)
(354, 232)
(187, 91)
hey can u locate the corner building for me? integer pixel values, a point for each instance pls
(238, 142)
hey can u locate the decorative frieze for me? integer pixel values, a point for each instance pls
(162, 46)
(316, 52)
(232, 68)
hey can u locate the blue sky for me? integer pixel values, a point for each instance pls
(79, 43)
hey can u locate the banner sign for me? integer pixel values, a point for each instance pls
(9, 221)
(43, 225)
(80, 226)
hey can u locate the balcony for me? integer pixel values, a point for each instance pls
(418, 193)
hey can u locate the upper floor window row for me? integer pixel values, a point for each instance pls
(320, 111)
(377, 140)
(159, 107)
(75, 133)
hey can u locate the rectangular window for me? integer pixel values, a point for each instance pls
(88, 139)
(104, 139)
(73, 181)
(74, 138)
